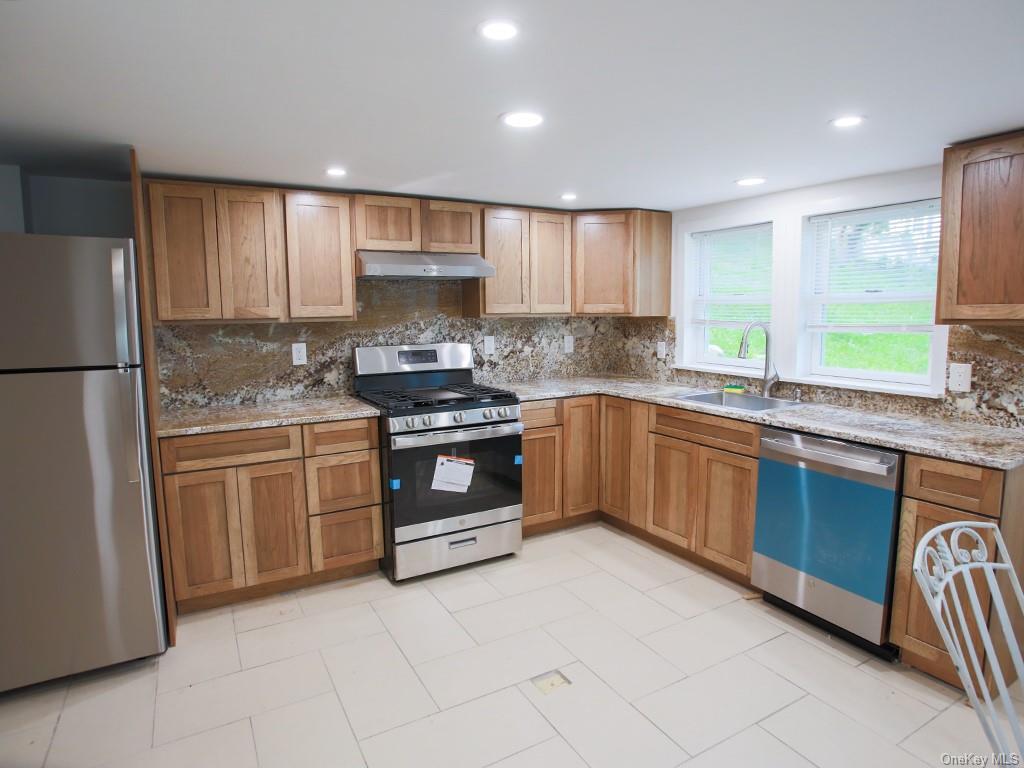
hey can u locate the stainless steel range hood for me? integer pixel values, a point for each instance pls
(423, 266)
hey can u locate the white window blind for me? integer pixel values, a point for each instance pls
(871, 307)
(733, 287)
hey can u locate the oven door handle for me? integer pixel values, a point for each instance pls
(402, 442)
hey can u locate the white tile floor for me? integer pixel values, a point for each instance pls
(666, 665)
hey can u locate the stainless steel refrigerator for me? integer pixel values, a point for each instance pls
(79, 562)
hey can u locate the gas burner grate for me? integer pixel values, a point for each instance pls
(401, 399)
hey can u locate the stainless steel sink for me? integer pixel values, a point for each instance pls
(739, 402)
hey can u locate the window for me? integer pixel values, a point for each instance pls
(733, 286)
(871, 301)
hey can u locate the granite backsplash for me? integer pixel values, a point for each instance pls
(233, 363)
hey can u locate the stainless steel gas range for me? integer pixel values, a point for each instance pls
(451, 457)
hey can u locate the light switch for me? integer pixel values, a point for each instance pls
(960, 377)
(299, 354)
(488, 345)
(570, 344)
(662, 350)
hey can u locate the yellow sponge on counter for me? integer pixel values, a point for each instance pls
(735, 389)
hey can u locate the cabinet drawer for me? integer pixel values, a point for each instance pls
(343, 481)
(227, 449)
(714, 431)
(340, 436)
(964, 486)
(346, 538)
(541, 413)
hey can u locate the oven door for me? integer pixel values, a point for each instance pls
(494, 494)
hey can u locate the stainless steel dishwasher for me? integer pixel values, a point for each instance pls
(825, 534)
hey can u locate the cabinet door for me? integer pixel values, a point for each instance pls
(981, 260)
(638, 445)
(507, 247)
(186, 269)
(550, 263)
(725, 514)
(652, 263)
(250, 240)
(672, 489)
(450, 227)
(581, 443)
(615, 445)
(542, 475)
(346, 538)
(343, 481)
(320, 255)
(387, 223)
(272, 503)
(603, 264)
(912, 627)
(205, 532)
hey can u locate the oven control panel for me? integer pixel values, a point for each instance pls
(463, 418)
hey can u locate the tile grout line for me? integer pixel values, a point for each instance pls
(546, 719)
(411, 665)
(344, 712)
(252, 735)
(784, 743)
(56, 723)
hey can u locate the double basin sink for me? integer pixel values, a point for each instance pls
(739, 402)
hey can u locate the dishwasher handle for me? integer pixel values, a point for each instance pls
(882, 469)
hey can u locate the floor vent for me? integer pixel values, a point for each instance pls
(550, 681)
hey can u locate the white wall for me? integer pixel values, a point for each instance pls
(12, 212)
(787, 211)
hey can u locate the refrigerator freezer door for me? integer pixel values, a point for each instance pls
(79, 578)
(67, 302)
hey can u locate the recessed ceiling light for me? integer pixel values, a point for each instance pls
(335, 170)
(569, 196)
(498, 29)
(751, 181)
(522, 119)
(848, 121)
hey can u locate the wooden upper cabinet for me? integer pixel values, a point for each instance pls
(387, 223)
(250, 240)
(725, 509)
(204, 531)
(581, 448)
(672, 489)
(542, 475)
(507, 247)
(652, 263)
(272, 506)
(450, 227)
(615, 445)
(981, 256)
(603, 264)
(186, 265)
(550, 263)
(320, 255)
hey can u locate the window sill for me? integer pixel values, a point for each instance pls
(751, 372)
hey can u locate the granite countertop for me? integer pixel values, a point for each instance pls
(224, 418)
(996, 447)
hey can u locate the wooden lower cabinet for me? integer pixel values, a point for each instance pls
(672, 489)
(346, 538)
(205, 532)
(542, 475)
(272, 505)
(615, 444)
(581, 440)
(343, 481)
(727, 497)
(912, 627)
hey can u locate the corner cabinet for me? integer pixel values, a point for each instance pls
(981, 255)
(320, 266)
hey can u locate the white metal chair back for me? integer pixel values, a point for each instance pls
(949, 564)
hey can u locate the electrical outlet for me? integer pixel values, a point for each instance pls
(662, 350)
(299, 354)
(488, 345)
(570, 344)
(960, 377)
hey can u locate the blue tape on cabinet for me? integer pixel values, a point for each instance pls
(395, 483)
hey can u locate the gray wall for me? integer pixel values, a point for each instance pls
(59, 205)
(12, 217)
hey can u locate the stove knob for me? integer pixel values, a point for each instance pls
(503, 412)
(488, 413)
(410, 422)
(458, 417)
(427, 420)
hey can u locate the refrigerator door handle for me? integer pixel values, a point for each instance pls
(128, 378)
(117, 269)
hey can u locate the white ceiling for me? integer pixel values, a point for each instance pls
(655, 104)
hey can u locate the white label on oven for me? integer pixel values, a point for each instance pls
(452, 474)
